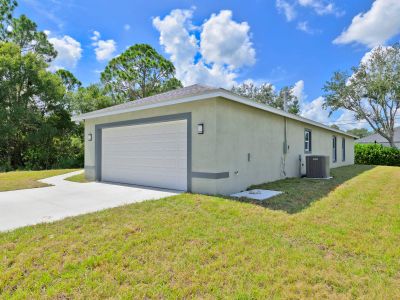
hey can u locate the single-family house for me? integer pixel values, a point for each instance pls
(204, 140)
(376, 138)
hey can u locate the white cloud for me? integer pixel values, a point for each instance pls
(374, 27)
(224, 41)
(303, 26)
(96, 36)
(287, 9)
(314, 111)
(311, 110)
(175, 37)
(298, 91)
(224, 45)
(347, 121)
(320, 7)
(104, 49)
(127, 27)
(69, 51)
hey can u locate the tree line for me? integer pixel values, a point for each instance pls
(36, 104)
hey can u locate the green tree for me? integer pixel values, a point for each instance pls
(360, 132)
(35, 105)
(372, 91)
(93, 97)
(23, 32)
(266, 94)
(6, 14)
(30, 98)
(71, 83)
(137, 73)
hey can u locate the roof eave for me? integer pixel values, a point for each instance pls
(94, 115)
(212, 94)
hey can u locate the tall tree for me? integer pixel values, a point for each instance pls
(69, 80)
(71, 84)
(6, 14)
(371, 92)
(90, 98)
(137, 73)
(266, 94)
(29, 97)
(23, 32)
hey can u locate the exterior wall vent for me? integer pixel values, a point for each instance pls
(317, 166)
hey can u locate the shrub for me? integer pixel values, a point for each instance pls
(376, 154)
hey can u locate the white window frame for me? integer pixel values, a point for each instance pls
(334, 148)
(343, 149)
(307, 142)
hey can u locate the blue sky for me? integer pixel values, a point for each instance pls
(283, 42)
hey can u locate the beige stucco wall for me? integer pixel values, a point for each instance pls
(203, 146)
(232, 130)
(242, 129)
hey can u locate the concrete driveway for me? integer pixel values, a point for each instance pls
(66, 199)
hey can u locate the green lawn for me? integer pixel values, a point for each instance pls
(301, 192)
(78, 178)
(343, 245)
(19, 180)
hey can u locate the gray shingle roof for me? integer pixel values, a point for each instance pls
(380, 139)
(192, 93)
(188, 91)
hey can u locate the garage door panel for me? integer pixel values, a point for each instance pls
(153, 147)
(149, 154)
(148, 163)
(153, 139)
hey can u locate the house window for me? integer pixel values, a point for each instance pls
(343, 149)
(334, 149)
(307, 141)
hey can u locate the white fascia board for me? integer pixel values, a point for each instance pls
(218, 93)
(93, 115)
(280, 112)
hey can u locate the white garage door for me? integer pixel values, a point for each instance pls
(152, 155)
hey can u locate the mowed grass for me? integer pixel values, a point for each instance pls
(344, 245)
(78, 178)
(299, 193)
(19, 180)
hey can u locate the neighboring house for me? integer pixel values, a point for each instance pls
(376, 138)
(204, 140)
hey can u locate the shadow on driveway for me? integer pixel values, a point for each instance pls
(299, 193)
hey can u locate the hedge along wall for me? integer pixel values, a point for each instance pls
(376, 154)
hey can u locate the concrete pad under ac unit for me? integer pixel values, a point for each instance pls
(257, 194)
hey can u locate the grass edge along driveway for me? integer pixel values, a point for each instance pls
(80, 178)
(343, 245)
(18, 180)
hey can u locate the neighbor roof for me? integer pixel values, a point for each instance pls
(193, 93)
(380, 139)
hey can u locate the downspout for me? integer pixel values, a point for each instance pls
(285, 146)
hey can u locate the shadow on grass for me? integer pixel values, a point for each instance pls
(299, 193)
